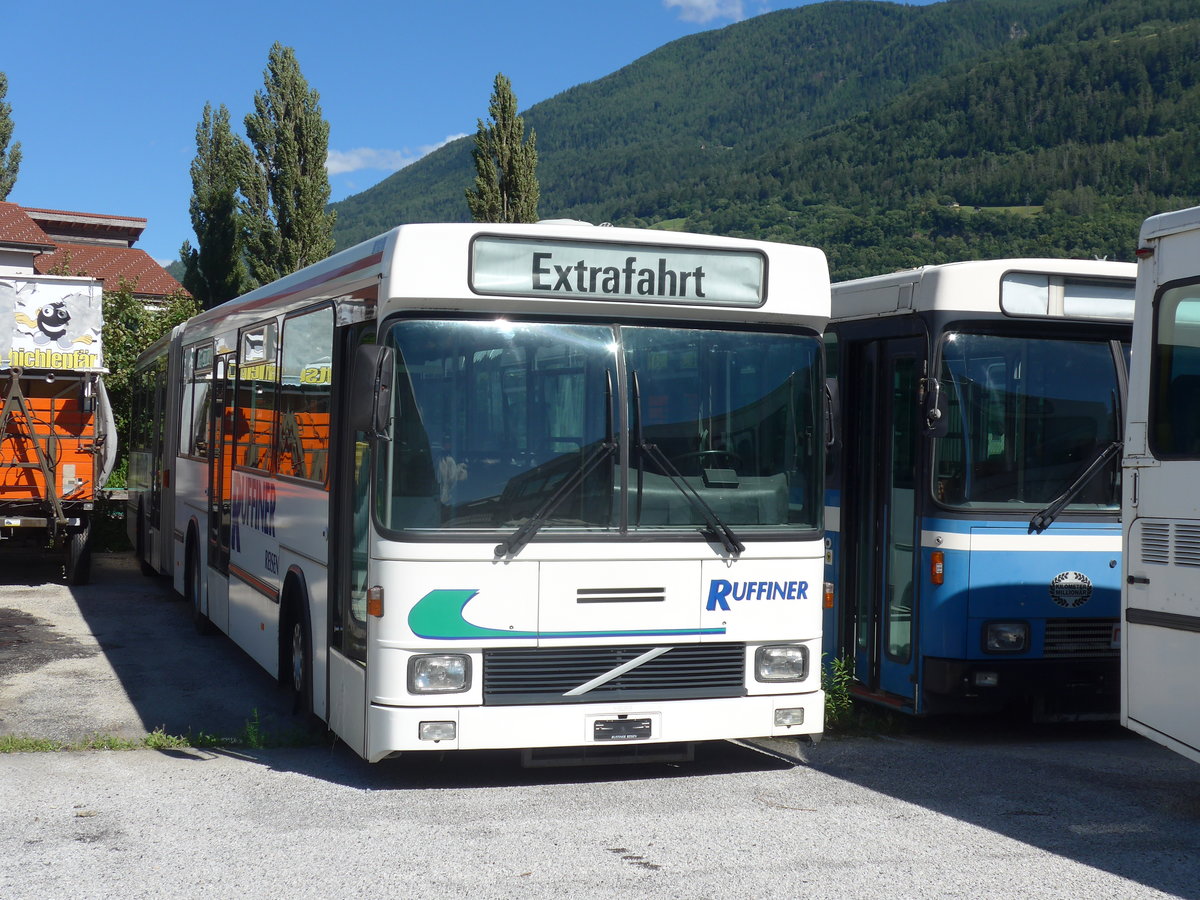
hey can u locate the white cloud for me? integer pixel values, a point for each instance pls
(703, 11)
(341, 162)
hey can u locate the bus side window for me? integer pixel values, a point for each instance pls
(1175, 414)
(254, 418)
(198, 395)
(306, 395)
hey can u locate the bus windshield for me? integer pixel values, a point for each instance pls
(1025, 417)
(498, 421)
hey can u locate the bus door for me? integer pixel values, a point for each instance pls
(882, 503)
(350, 513)
(157, 424)
(220, 462)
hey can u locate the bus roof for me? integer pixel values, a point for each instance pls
(461, 266)
(1170, 223)
(982, 286)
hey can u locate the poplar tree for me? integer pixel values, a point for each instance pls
(286, 188)
(506, 185)
(10, 157)
(215, 270)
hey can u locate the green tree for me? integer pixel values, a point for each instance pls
(506, 185)
(215, 270)
(129, 328)
(10, 157)
(286, 189)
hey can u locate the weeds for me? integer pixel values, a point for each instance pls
(835, 681)
(253, 736)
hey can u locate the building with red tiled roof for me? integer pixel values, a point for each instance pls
(21, 239)
(46, 241)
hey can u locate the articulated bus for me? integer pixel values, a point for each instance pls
(973, 532)
(1161, 499)
(552, 487)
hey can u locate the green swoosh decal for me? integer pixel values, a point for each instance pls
(438, 616)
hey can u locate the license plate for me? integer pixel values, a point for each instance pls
(621, 730)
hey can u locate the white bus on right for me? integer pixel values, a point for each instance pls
(1160, 660)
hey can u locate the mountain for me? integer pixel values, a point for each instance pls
(888, 135)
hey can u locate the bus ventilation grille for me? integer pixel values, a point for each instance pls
(1156, 543)
(546, 674)
(1080, 638)
(1162, 541)
(1187, 545)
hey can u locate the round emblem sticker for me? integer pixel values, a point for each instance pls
(1071, 589)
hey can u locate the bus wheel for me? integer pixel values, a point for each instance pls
(192, 584)
(79, 556)
(300, 659)
(146, 568)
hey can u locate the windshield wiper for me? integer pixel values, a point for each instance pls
(1041, 520)
(723, 532)
(533, 524)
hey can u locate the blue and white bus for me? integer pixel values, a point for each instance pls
(552, 487)
(973, 503)
(1161, 655)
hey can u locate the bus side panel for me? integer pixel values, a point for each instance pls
(1160, 659)
(302, 519)
(253, 621)
(190, 511)
(348, 701)
(832, 638)
(315, 578)
(1162, 613)
(1162, 676)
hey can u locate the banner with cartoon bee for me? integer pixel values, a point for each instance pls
(51, 323)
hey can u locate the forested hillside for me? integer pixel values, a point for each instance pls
(888, 135)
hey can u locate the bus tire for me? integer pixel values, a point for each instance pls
(79, 556)
(145, 566)
(296, 673)
(192, 586)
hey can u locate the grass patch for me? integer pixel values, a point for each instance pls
(253, 736)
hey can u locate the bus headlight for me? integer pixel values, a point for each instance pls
(1005, 637)
(441, 673)
(783, 662)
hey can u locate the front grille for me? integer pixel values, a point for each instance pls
(1080, 639)
(546, 674)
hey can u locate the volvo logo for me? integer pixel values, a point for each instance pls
(1071, 589)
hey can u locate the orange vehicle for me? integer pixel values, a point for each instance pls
(57, 433)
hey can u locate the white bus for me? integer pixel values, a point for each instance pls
(1161, 498)
(474, 487)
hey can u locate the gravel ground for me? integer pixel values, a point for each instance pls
(972, 810)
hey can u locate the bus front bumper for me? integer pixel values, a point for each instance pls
(1054, 688)
(392, 729)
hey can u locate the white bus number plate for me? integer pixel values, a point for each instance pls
(621, 730)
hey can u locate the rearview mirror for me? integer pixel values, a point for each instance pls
(936, 424)
(371, 390)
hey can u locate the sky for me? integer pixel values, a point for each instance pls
(106, 97)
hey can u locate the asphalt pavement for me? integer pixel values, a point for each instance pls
(119, 657)
(964, 809)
